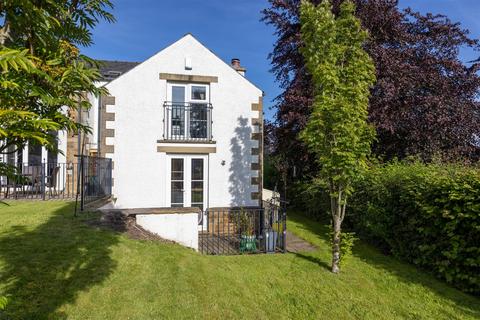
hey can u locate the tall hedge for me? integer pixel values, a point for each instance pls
(428, 215)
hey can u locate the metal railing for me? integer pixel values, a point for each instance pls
(227, 231)
(89, 180)
(187, 121)
(95, 179)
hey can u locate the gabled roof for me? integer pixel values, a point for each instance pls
(110, 70)
(131, 65)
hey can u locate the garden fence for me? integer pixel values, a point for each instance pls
(226, 231)
(88, 179)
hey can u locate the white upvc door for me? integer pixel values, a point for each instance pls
(187, 180)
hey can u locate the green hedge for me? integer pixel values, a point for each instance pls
(428, 215)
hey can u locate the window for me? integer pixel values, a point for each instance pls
(199, 93)
(34, 154)
(178, 94)
(188, 111)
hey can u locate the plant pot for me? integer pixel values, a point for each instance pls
(248, 243)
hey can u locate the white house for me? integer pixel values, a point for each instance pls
(183, 128)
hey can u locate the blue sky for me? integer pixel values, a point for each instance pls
(229, 28)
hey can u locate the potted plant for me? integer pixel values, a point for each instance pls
(248, 241)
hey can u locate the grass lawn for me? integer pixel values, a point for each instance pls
(55, 266)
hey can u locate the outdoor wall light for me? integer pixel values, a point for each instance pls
(223, 162)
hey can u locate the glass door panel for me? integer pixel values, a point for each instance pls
(198, 121)
(197, 183)
(198, 112)
(178, 112)
(177, 182)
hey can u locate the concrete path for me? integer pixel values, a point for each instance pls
(296, 244)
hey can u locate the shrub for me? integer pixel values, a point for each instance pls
(347, 241)
(311, 198)
(428, 215)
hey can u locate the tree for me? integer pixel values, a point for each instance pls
(424, 101)
(337, 132)
(42, 72)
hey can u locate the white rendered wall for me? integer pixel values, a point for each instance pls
(140, 171)
(92, 122)
(62, 146)
(181, 228)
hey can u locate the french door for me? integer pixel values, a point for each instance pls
(188, 114)
(187, 180)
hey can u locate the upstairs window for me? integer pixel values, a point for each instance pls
(188, 112)
(199, 93)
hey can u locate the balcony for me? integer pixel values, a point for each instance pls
(187, 122)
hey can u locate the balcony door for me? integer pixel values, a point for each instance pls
(189, 114)
(187, 180)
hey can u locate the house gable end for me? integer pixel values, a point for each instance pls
(186, 47)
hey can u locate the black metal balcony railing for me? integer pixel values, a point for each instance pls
(187, 121)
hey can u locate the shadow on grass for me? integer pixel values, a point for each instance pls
(47, 267)
(403, 271)
(315, 260)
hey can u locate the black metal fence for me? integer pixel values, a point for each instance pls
(227, 231)
(89, 178)
(95, 179)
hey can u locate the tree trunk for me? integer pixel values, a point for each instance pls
(336, 241)
(338, 204)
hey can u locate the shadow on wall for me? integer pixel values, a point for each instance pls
(45, 268)
(240, 167)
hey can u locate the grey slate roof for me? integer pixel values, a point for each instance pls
(113, 69)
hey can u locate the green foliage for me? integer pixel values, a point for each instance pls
(347, 241)
(311, 198)
(35, 92)
(41, 23)
(3, 302)
(342, 72)
(243, 221)
(337, 131)
(428, 215)
(270, 174)
(43, 76)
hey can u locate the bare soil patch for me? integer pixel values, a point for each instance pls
(117, 221)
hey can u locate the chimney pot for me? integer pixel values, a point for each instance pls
(236, 65)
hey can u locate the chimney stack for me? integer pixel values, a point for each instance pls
(236, 65)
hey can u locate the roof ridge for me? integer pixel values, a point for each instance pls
(106, 60)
